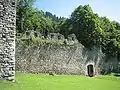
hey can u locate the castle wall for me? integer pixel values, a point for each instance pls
(7, 39)
(60, 59)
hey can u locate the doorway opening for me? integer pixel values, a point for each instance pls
(90, 70)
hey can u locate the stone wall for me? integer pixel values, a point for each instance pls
(7, 39)
(60, 59)
(111, 64)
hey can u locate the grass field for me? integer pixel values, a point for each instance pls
(62, 82)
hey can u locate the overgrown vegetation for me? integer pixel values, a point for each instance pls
(90, 29)
(38, 40)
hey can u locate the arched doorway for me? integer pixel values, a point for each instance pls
(90, 70)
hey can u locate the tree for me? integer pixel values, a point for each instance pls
(66, 27)
(110, 40)
(86, 25)
(22, 10)
(91, 30)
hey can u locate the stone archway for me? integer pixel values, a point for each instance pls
(90, 70)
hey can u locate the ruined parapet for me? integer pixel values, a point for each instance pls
(72, 39)
(28, 34)
(7, 39)
(55, 36)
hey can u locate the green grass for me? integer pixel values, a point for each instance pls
(26, 81)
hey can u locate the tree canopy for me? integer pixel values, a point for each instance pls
(90, 29)
(93, 30)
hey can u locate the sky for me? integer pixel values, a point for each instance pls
(108, 8)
